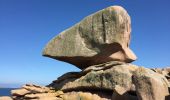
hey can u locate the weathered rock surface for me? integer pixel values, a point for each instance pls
(150, 85)
(30, 91)
(5, 98)
(125, 81)
(46, 93)
(164, 71)
(107, 81)
(125, 96)
(83, 96)
(101, 37)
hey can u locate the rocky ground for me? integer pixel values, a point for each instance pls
(108, 81)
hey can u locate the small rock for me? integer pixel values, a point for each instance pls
(20, 92)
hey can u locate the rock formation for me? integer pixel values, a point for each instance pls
(99, 45)
(101, 37)
(107, 81)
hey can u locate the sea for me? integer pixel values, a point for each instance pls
(6, 91)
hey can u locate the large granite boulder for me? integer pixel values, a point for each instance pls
(115, 77)
(101, 37)
(150, 85)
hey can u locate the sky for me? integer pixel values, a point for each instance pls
(26, 26)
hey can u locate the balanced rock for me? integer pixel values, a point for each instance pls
(101, 37)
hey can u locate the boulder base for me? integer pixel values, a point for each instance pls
(108, 81)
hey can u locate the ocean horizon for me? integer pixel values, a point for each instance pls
(6, 91)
